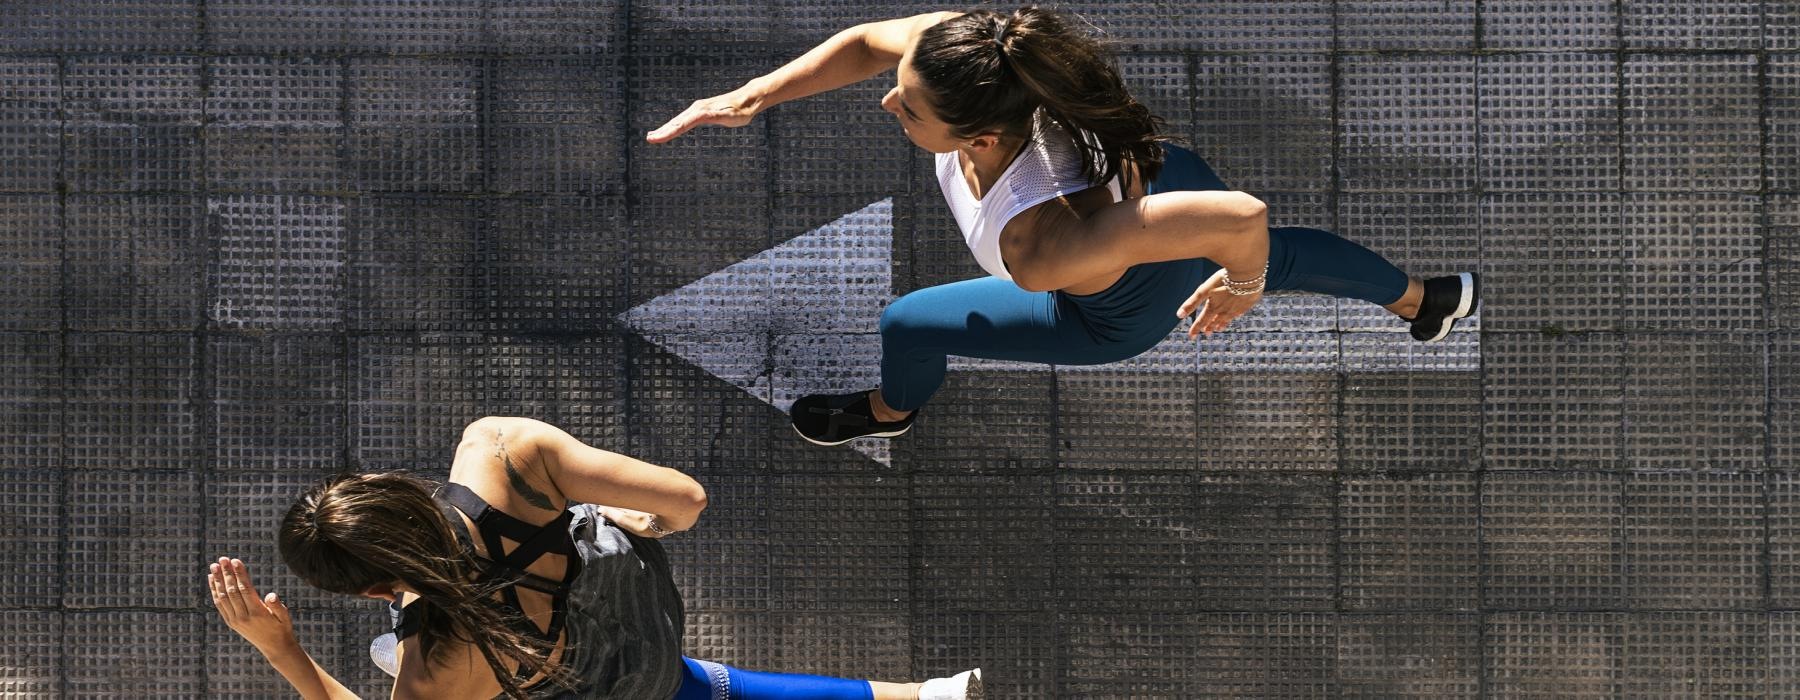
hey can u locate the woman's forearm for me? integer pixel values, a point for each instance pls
(1228, 228)
(1245, 255)
(685, 512)
(307, 677)
(844, 59)
(851, 56)
(1058, 249)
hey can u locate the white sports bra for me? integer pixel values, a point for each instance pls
(1048, 167)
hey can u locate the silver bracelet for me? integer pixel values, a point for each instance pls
(658, 528)
(1256, 281)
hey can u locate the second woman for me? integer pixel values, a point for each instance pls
(1097, 235)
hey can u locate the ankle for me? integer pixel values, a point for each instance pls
(881, 410)
(1408, 305)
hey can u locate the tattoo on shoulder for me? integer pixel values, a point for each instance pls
(517, 481)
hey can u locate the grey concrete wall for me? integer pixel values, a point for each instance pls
(250, 242)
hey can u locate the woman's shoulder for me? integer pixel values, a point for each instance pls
(1049, 165)
(499, 458)
(457, 671)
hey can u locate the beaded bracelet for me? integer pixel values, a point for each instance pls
(657, 528)
(1244, 288)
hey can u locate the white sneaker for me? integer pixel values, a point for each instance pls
(382, 651)
(962, 686)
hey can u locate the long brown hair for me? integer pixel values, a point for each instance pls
(356, 531)
(991, 71)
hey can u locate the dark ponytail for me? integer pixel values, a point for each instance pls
(988, 71)
(362, 530)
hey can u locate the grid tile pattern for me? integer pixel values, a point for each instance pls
(1406, 122)
(29, 227)
(34, 575)
(1784, 400)
(1571, 655)
(1553, 401)
(1409, 543)
(1670, 24)
(1553, 541)
(1709, 105)
(30, 124)
(237, 670)
(1409, 655)
(1549, 122)
(274, 123)
(1782, 118)
(35, 656)
(32, 403)
(129, 653)
(1550, 25)
(133, 540)
(1693, 541)
(133, 262)
(1263, 121)
(252, 242)
(134, 123)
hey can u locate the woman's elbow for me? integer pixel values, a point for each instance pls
(1250, 213)
(681, 509)
(1033, 279)
(696, 500)
(1030, 270)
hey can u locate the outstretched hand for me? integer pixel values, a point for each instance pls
(262, 621)
(1218, 307)
(729, 110)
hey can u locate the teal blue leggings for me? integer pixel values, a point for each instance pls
(706, 680)
(995, 319)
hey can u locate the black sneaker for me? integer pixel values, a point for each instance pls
(834, 420)
(1446, 299)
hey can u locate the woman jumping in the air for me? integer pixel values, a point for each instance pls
(1099, 237)
(496, 588)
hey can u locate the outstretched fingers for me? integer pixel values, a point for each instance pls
(215, 585)
(1194, 302)
(728, 110)
(1201, 301)
(676, 126)
(247, 595)
(225, 590)
(264, 623)
(707, 111)
(1213, 318)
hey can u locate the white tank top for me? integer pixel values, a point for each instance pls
(1048, 167)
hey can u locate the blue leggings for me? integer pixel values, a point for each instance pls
(995, 319)
(706, 680)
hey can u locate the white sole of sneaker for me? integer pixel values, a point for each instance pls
(1465, 305)
(962, 686)
(896, 433)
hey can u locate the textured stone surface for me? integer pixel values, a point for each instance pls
(251, 242)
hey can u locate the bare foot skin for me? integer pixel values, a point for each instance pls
(882, 412)
(1408, 305)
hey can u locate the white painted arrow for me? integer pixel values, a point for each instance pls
(800, 318)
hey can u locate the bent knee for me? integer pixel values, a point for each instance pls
(900, 314)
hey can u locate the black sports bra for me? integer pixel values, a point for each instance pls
(508, 569)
